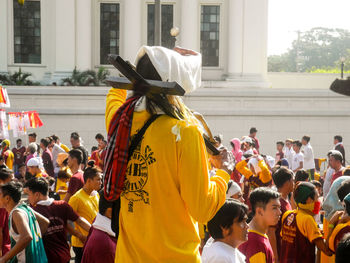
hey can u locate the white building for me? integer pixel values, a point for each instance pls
(49, 38)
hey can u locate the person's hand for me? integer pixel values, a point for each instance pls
(344, 219)
(335, 218)
(221, 161)
(185, 52)
(82, 238)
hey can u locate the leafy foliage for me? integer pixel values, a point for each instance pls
(87, 78)
(318, 48)
(18, 78)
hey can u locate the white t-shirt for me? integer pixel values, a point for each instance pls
(219, 252)
(309, 161)
(289, 154)
(297, 158)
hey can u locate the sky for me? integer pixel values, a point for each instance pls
(288, 16)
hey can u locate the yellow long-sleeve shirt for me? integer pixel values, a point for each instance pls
(263, 178)
(167, 190)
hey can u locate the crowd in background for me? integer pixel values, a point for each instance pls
(278, 208)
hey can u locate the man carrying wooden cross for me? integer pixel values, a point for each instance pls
(167, 189)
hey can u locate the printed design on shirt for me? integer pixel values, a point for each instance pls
(289, 229)
(137, 176)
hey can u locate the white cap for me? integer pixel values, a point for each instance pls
(234, 189)
(254, 162)
(172, 66)
(35, 161)
(248, 140)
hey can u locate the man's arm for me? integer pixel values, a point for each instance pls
(301, 165)
(83, 223)
(271, 232)
(25, 237)
(71, 230)
(321, 245)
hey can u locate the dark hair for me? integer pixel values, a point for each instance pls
(217, 138)
(45, 141)
(306, 138)
(18, 140)
(5, 173)
(103, 204)
(301, 176)
(32, 135)
(13, 190)
(229, 184)
(94, 148)
(281, 176)
(75, 136)
(316, 183)
(338, 138)
(91, 171)
(347, 206)
(224, 218)
(261, 196)
(99, 136)
(63, 174)
(346, 171)
(336, 155)
(252, 130)
(77, 154)
(343, 189)
(303, 191)
(54, 137)
(37, 185)
(297, 143)
(342, 253)
(280, 143)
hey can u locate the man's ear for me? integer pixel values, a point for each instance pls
(225, 231)
(259, 211)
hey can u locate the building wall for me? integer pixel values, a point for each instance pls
(277, 113)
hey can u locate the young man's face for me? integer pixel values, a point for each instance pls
(71, 161)
(32, 170)
(288, 144)
(290, 186)
(96, 182)
(333, 163)
(238, 196)
(296, 148)
(33, 198)
(272, 212)
(335, 141)
(19, 144)
(279, 147)
(303, 142)
(74, 142)
(239, 231)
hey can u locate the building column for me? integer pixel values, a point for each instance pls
(83, 35)
(64, 41)
(235, 39)
(247, 43)
(4, 34)
(130, 29)
(190, 25)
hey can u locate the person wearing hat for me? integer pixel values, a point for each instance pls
(248, 148)
(252, 134)
(7, 154)
(35, 167)
(299, 231)
(234, 191)
(172, 153)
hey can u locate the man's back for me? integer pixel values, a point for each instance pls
(55, 239)
(166, 192)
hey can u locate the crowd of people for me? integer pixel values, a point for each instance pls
(170, 192)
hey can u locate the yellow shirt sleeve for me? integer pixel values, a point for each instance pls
(308, 227)
(258, 258)
(115, 98)
(74, 203)
(202, 196)
(265, 174)
(243, 169)
(9, 160)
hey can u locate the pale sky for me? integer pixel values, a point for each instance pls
(288, 16)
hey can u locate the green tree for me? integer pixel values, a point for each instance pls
(86, 78)
(318, 48)
(17, 78)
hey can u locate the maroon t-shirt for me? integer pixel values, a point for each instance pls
(4, 224)
(99, 245)
(55, 239)
(76, 182)
(337, 175)
(19, 155)
(285, 206)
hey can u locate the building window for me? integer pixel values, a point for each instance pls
(27, 32)
(109, 31)
(167, 21)
(210, 28)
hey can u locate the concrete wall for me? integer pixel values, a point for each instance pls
(277, 113)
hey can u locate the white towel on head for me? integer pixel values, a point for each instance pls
(234, 189)
(172, 66)
(255, 163)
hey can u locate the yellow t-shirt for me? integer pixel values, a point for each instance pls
(85, 206)
(9, 157)
(64, 186)
(167, 190)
